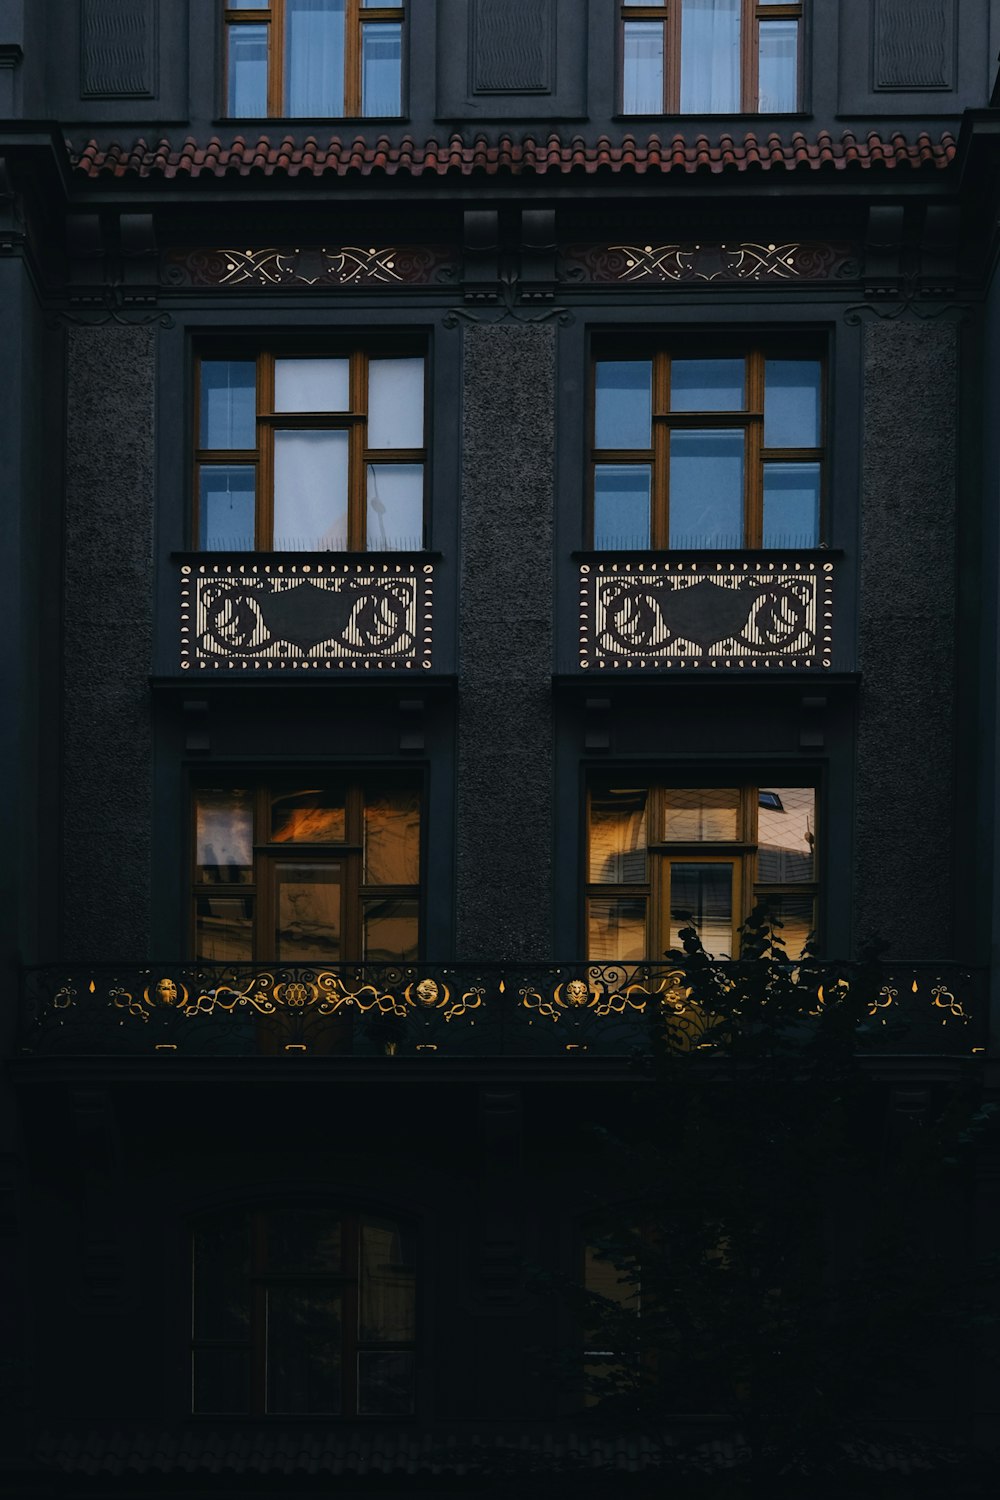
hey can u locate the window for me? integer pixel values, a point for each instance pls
(310, 453)
(302, 1312)
(313, 59)
(307, 869)
(697, 57)
(707, 450)
(662, 856)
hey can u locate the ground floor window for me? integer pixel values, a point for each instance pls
(302, 1312)
(306, 867)
(661, 857)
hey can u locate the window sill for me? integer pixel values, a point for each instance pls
(748, 115)
(298, 121)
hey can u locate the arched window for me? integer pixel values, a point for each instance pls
(302, 1311)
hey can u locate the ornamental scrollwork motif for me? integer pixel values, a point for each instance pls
(696, 615)
(308, 266)
(688, 261)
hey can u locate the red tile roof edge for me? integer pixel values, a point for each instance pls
(517, 156)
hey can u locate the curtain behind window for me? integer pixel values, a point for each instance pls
(314, 58)
(710, 57)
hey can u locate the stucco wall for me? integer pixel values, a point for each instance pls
(108, 594)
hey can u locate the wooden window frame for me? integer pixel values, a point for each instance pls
(664, 421)
(262, 1276)
(268, 421)
(273, 16)
(662, 853)
(259, 891)
(752, 13)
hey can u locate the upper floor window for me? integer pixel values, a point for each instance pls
(663, 857)
(699, 450)
(314, 59)
(302, 1312)
(307, 869)
(310, 452)
(698, 57)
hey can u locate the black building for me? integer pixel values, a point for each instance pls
(483, 478)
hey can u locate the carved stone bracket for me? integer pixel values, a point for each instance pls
(283, 616)
(737, 616)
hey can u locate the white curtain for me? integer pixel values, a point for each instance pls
(710, 57)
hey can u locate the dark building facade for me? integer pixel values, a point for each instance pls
(483, 478)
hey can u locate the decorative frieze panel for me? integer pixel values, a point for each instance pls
(307, 266)
(270, 615)
(745, 260)
(750, 614)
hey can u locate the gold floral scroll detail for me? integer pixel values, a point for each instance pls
(276, 267)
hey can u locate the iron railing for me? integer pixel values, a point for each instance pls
(458, 1010)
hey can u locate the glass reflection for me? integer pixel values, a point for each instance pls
(381, 70)
(623, 403)
(314, 57)
(697, 814)
(392, 837)
(621, 506)
(303, 1350)
(246, 95)
(226, 508)
(642, 91)
(308, 815)
(618, 836)
(706, 488)
(792, 403)
(308, 912)
(706, 385)
(616, 929)
(791, 505)
(701, 895)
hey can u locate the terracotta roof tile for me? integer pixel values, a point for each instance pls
(336, 158)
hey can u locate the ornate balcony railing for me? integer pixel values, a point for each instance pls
(741, 612)
(328, 612)
(454, 1010)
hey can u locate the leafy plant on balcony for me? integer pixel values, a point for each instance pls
(781, 1261)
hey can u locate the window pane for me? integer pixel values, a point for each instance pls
(791, 505)
(247, 71)
(623, 403)
(706, 385)
(381, 65)
(391, 929)
(224, 929)
(797, 915)
(228, 403)
(221, 1381)
(395, 507)
(310, 491)
(392, 837)
(385, 1384)
(222, 1278)
(693, 814)
(387, 1312)
(616, 930)
(642, 90)
(224, 835)
(307, 815)
(706, 488)
(778, 67)
(308, 906)
(314, 57)
(303, 1239)
(786, 835)
(702, 895)
(791, 403)
(617, 835)
(396, 403)
(312, 385)
(303, 1350)
(249, 4)
(621, 505)
(226, 507)
(710, 56)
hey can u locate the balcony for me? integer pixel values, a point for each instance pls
(274, 613)
(740, 612)
(568, 1011)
